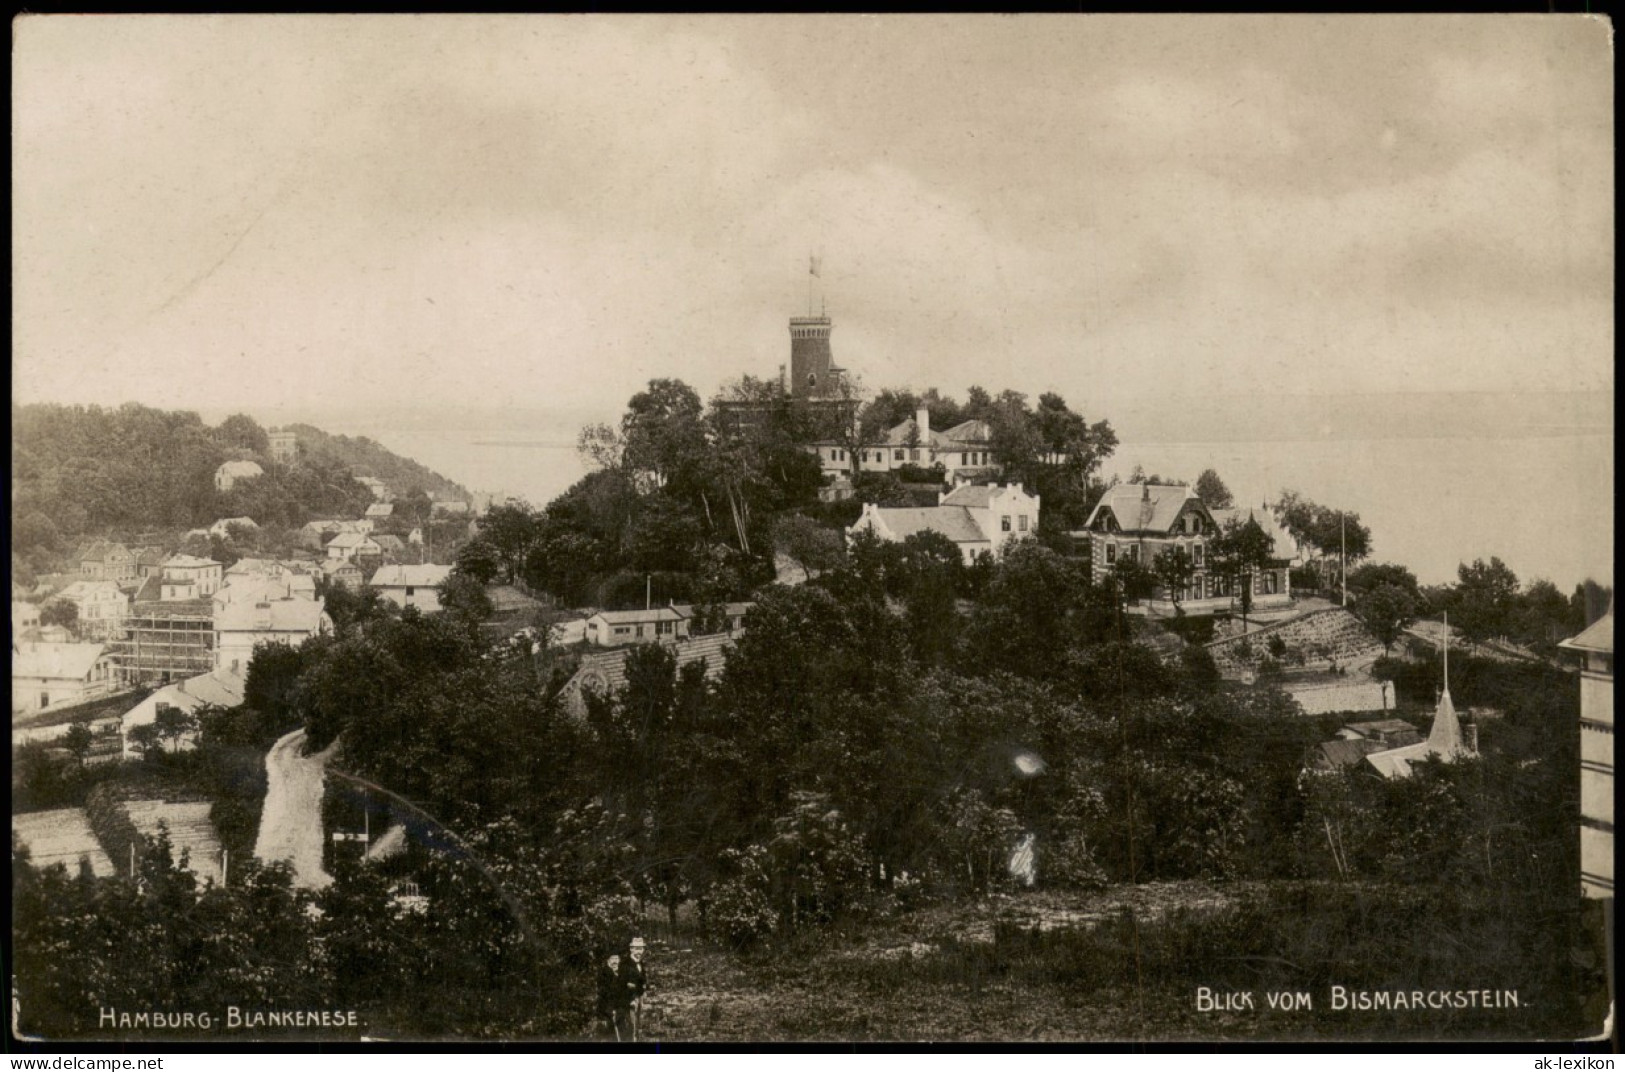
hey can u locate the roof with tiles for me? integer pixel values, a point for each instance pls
(424, 576)
(1144, 507)
(954, 522)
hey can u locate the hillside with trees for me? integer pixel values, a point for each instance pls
(366, 457)
(85, 471)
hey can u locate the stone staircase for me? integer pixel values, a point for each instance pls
(189, 830)
(61, 836)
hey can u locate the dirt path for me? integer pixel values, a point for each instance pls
(291, 823)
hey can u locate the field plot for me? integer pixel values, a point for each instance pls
(61, 837)
(189, 831)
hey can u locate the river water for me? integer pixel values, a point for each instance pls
(1439, 480)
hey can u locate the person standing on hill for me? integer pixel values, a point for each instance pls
(609, 994)
(634, 981)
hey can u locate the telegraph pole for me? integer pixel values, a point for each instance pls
(1343, 528)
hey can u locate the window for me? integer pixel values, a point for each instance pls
(897, 455)
(409, 591)
(914, 455)
(622, 630)
(1133, 552)
(964, 459)
(1111, 553)
(1196, 554)
(639, 633)
(1022, 522)
(1004, 522)
(45, 699)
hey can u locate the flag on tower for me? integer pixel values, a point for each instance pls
(814, 265)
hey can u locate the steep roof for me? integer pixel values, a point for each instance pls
(1143, 507)
(66, 662)
(1445, 741)
(350, 539)
(424, 576)
(1284, 544)
(102, 550)
(953, 522)
(1598, 636)
(216, 687)
(387, 541)
(335, 565)
(89, 590)
(976, 434)
(380, 509)
(1333, 755)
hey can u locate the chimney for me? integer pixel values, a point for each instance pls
(922, 421)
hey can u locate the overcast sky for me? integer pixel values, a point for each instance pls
(228, 212)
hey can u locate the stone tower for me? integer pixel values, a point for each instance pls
(811, 367)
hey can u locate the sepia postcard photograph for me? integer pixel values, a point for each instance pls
(633, 530)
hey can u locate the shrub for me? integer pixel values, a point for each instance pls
(740, 911)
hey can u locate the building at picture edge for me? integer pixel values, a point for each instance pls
(1595, 650)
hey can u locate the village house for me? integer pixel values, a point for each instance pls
(46, 675)
(238, 626)
(24, 617)
(415, 537)
(388, 545)
(313, 534)
(1595, 649)
(149, 561)
(251, 579)
(978, 518)
(612, 628)
(411, 586)
(284, 446)
(352, 545)
(222, 528)
(1137, 522)
(104, 560)
(964, 451)
(1360, 739)
(229, 473)
(343, 573)
(451, 507)
(101, 605)
(218, 688)
(188, 577)
(379, 489)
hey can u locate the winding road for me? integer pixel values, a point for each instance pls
(291, 822)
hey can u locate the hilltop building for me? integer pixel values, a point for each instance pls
(284, 446)
(227, 476)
